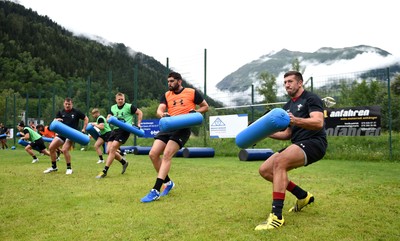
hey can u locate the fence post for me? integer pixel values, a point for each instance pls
(252, 102)
(205, 95)
(389, 113)
(26, 109)
(110, 88)
(15, 121)
(135, 97)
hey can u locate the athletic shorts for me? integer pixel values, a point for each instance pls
(119, 135)
(105, 136)
(314, 149)
(179, 136)
(38, 145)
(62, 138)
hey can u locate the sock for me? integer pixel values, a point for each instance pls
(123, 161)
(167, 179)
(54, 165)
(105, 170)
(296, 190)
(101, 157)
(34, 157)
(158, 184)
(277, 203)
(68, 165)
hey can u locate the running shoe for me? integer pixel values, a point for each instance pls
(301, 203)
(273, 222)
(101, 175)
(50, 169)
(167, 188)
(153, 195)
(124, 167)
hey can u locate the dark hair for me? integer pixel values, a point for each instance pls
(40, 126)
(21, 124)
(68, 99)
(175, 75)
(298, 75)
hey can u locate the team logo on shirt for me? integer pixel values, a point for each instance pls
(181, 102)
(299, 106)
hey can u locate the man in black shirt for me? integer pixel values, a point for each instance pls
(307, 134)
(70, 117)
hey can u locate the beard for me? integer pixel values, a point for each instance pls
(173, 88)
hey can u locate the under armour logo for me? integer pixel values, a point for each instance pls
(181, 102)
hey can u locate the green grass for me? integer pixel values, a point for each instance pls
(218, 198)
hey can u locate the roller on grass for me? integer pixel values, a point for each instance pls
(127, 127)
(198, 152)
(172, 123)
(141, 150)
(275, 120)
(255, 154)
(179, 153)
(68, 132)
(93, 131)
(127, 149)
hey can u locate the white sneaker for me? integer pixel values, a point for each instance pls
(68, 172)
(35, 160)
(100, 161)
(50, 169)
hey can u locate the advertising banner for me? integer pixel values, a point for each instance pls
(353, 121)
(150, 127)
(227, 126)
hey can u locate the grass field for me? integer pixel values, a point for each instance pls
(218, 198)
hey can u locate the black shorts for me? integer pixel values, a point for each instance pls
(179, 136)
(62, 138)
(38, 145)
(105, 136)
(119, 135)
(314, 149)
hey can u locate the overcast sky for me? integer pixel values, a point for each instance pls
(234, 32)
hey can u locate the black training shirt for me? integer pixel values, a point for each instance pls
(307, 102)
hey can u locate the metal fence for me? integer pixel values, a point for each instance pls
(348, 89)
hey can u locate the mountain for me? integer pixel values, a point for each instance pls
(328, 60)
(38, 57)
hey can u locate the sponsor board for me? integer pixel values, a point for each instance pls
(227, 126)
(353, 121)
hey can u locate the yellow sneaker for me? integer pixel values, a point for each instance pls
(272, 223)
(301, 203)
(101, 175)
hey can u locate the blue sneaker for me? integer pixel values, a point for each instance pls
(167, 188)
(153, 195)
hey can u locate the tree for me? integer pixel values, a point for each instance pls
(297, 66)
(268, 88)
